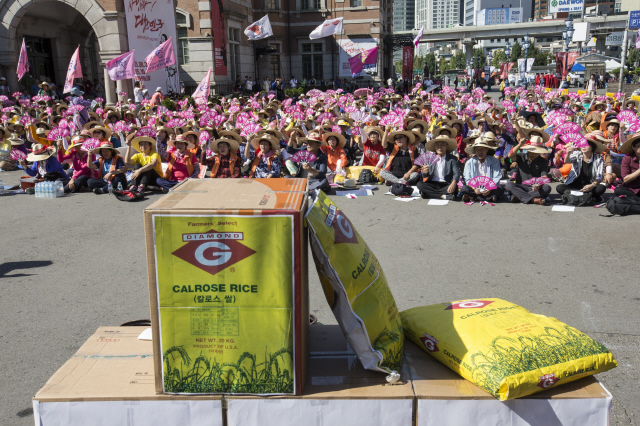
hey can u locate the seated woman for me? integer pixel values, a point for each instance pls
(374, 153)
(226, 164)
(630, 170)
(440, 180)
(162, 141)
(147, 164)
(334, 149)
(594, 117)
(45, 166)
(265, 164)
(110, 167)
(400, 167)
(483, 163)
(530, 164)
(183, 164)
(17, 144)
(587, 169)
(315, 171)
(79, 159)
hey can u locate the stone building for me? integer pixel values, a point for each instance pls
(53, 29)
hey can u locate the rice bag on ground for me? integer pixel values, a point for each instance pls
(356, 289)
(503, 348)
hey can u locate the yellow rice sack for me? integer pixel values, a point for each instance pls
(356, 289)
(503, 348)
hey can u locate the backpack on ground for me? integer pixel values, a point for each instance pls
(577, 200)
(128, 195)
(366, 176)
(400, 189)
(623, 206)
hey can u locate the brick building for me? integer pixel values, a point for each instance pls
(53, 29)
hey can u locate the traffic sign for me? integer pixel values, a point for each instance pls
(634, 19)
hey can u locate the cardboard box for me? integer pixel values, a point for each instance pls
(110, 381)
(446, 399)
(338, 390)
(227, 263)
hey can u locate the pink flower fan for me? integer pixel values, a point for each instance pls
(204, 137)
(303, 157)
(626, 116)
(336, 129)
(90, 144)
(17, 155)
(121, 126)
(325, 116)
(577, 139)
(146, 131)
(218, 120)
(567, 127)
(176, 122)
(188, 114)
(537, 181)
(123, 93)
(27, 120)
(483, 183)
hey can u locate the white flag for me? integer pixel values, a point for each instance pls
(418, 37)
(521, 70)
(327, 28)
(259, 29)
(530, 62)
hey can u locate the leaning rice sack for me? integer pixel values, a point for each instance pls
(356, 289)
(503, 348)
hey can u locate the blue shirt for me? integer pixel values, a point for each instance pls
(106, 165)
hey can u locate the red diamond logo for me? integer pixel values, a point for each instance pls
(430, 343)
(548, 380)
(344, 233)
(469, 304)
(213, 256)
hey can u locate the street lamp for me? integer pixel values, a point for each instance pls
(507, 51)
(567, 32)
(526, 45)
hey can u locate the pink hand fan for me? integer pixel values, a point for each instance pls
(483, 183)
(303, 157)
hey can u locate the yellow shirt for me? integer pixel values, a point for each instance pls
(143, 160)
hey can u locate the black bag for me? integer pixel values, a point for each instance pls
(366, 176)
(623, 206)
(128, 195)
(401, 189)
(577, 200)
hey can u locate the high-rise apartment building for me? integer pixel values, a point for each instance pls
(472, 7)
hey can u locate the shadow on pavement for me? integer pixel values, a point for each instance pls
(7, 267)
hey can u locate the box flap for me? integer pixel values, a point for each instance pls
(433, 380)
(111, 365)
(235, 194)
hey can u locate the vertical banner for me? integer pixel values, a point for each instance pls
(149, 24)
(407, 62)
(219, 38)
(561, 63)
(521, 70)
(571, 59)
(349, 47)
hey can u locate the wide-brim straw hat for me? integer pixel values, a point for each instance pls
(472, 136)
(414, 123)
(273, 132)
(94, 116)
(430, 145)
(108, 132)
(230, 135)
(545, 135)
(490, 139)
(167, 130)
(411, 136)
(233, 145)
(40, 152)
(377, 129)
(453, 132)
(191, 132)
(11, 126)
(89, 124)
(38, 122)
(341, 139)
(595, 139)
(629, 100)
(313, 138)
(537, 149)
(183, 139)
(596, 103)
(450, 123)
(43, 133)
(135, 143)
(112, 112)
(627, 147)
(477, 121)
(275, 143)
(15, 140)
(478, 144)
(105, 145)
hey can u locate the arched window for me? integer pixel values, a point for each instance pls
(183, 22)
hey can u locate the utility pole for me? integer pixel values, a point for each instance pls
(624, 56)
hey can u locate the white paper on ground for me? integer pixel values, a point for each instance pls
(319, 412)
(437, 202)
(558, 208)
(577, 193)
(407, 199)
(515, 412)
(129, 413)
(361, 192)
(368, 186)
(504, 181)
(145, 335)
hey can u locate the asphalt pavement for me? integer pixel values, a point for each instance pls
(73, 264)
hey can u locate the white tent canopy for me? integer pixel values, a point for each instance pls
(611, 64)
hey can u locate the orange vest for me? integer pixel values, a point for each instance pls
(232, 162)
(256, 161)
(187, 162)
(114, 161)
(393, 154)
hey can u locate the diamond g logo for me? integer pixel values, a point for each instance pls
(344, 232)
(430, 342)
(213, 251)
(469, 304)
(548, 380)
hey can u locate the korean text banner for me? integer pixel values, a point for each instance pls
(407, 62)
(349, 48)
(219, 31)
(150, 24)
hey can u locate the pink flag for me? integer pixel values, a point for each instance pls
(74, 71)
(161, 57)
(418, 37)
(122, 67)
(23, 61)
(365, 59)
(202, 91)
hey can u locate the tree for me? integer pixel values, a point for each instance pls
(399, 67)
(443, 65)
(499, 58)
(516, 52)
(458, 61)
(430, 61)
(479, 60)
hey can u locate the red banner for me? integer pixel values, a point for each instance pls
(571, 59)
(219, 38)
(505, 68)
(561, 63)
(407, 62)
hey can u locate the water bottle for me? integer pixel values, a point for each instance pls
(51, 194)
(1, 187)
(47, 186)
(120, 186)
(59, 189)
(37, 189)
(110, 188)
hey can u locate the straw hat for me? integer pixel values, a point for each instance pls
(233, 145)
(275, 143)
(181, 138)
(477, 144)
(12, 126)
(450, 123)
(341, 139)
(42, 132)
(313, 137)
(628, 101)
(595, 139)
(60, 107)
(408, 133)
(112, 113)
(545, 135)
(191, 132)
(107, 131)
(76, 141)
(167, 130)
(135, 143)
(44, 123)
(490, 139)
(40, 152)
(369, 129)
(453, 132)
(627, 147)
(430, 145)
(414, 123)
(15, 140)
(273, 132)
(105, 145)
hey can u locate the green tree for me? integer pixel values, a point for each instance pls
(399, 67)
(443, 65)
(458, 61)
(430, 61)
(499, 57)
(479, 60)
(516, 52)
